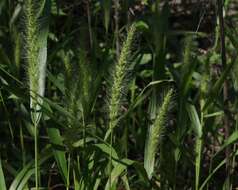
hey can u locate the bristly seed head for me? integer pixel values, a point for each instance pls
(119, 74)
(155, 133)
(35, 67)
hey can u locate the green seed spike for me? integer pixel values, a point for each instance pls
(154, 134)
(36, 34)
(118, 78)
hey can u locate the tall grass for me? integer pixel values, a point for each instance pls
(133, 144)
(36, 55)
(118, 85)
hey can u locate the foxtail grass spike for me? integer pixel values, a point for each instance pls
(119, 75)
(155, 133)
(36, 55)
(32, 55)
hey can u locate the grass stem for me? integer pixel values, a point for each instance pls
(36, 156)
(225, 85)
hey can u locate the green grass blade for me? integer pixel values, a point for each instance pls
(213, 172)
(2, 178)
(193, 115)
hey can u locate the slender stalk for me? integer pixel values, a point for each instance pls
(36, 55)
(225, 86)
(33, 73)
(89, 23)
(36, 156)
(116, 18)
(68, 175)
(198, 161)
(22, 146)
(233, 161)
(175, 175)
(84, 163)
(84, 134)
(199, 140)
(110, 164)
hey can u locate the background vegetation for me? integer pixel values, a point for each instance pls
(107, 94)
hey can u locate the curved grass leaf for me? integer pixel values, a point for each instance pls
(213, 172)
